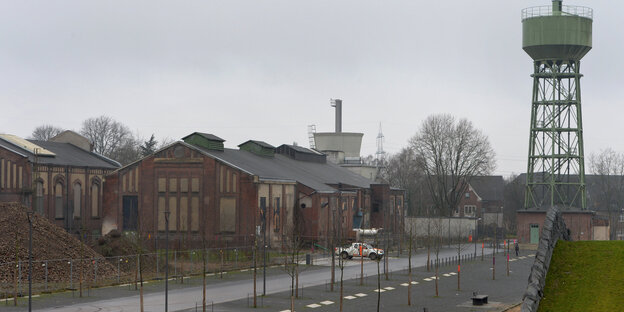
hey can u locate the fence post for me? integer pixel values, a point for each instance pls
(95, 271)
(235, 258)
(46, 275)
(71, 273)
(175, 263)
(19, 275)
(118, 271)
(157, 269)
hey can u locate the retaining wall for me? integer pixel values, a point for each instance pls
(553, 230)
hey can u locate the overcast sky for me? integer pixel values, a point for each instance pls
(265, 70)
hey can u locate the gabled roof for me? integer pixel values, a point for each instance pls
(261, 143)
(488, 187)
(65, 154)
(208, 136)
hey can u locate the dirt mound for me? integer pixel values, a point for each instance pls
(52, 247)
(116, 244)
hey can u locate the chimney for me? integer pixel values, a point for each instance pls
(337, 103)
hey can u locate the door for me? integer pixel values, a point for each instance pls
(534, 234)
(130, 213)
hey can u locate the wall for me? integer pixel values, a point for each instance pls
(579, 223)
(459, 226)
(553, 230)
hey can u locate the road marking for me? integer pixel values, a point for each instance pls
(327, 302)
(447, 275)
(350, 297)
(452, 273)
(427, 279)
(313, 306)
(405, 284)
(285, 311)
(414, 283)
(533, 255)
(244, 270)
(389, 288)
(361, 295)
(379, 290)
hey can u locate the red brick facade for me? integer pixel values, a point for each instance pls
(578, 222)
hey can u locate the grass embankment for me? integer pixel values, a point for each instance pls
(585, 276)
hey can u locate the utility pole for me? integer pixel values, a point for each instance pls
(263, 210)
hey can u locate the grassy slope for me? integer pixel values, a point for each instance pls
(585, 276)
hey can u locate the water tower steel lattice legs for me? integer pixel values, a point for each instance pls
(555, 172)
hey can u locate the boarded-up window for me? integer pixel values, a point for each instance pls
(227, 181)
(8, 175)
(227, 214)
(95, 200)
(136, 179)
(183, 185)
(221, 177)
(123, 183)
(77, 196)
(14, 175)
(194, 213)
(234, 183)
(58, 201)
(195, 185)
(173, 185)
(39, 198)
(276, 214)
(161, 213)
(183, 213)
(162, 185)
(173, 213)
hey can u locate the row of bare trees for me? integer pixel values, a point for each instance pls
(109, 137)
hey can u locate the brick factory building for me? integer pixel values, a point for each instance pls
(61, 179)
(219, 194)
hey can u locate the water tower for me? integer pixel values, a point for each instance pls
(556, 38)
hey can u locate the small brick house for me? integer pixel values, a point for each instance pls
(222, 195)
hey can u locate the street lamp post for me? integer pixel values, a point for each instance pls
(167, 212)
(30, 217)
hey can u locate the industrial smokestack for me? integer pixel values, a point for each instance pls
(337, 103)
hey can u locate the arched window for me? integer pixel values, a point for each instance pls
(58, 201)
(95, 200)
(77, 196)
(39, 197)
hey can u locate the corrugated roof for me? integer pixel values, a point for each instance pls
(317, 176)
(65, 154)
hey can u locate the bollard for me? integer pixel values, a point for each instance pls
(157, 260)
(175, 266)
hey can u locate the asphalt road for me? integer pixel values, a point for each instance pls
(236, 287)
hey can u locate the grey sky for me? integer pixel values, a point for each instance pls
(266, 69)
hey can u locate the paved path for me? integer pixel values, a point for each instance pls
(236, 287)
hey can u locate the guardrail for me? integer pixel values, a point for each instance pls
(567, 10)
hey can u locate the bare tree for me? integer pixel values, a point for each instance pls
(111, 139)
(513, 201)
(294, 244)
(45, 132)
(450, 153)
(402, 171)
(608, 166)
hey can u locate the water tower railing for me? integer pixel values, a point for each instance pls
(567, 10)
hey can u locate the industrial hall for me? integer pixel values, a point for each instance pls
(204, 193)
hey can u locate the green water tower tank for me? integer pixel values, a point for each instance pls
(557, 32)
